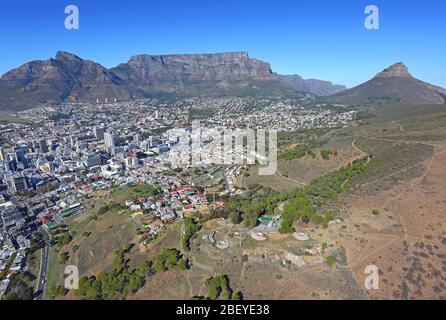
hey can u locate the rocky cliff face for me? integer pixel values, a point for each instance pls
(233, 66)
(70, 78)
(399, 70)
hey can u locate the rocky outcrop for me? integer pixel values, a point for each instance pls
(396, 70)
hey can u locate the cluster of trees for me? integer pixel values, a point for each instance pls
(121, 252)
(298, 207)
(121, 281)
(323, 220)
(235, 217)
(56, 291)
(4, 272)
(331, 261)
(326, 153)
(19, 288)
(330, 185)
(296, 152)
(214, 213)
(301, 207)
(169, 259)
(256, 190)
(190, 228)
(103, 210)
(219, 287)
(249, 209)
(61, 236)
(64, 256)
(303, 203)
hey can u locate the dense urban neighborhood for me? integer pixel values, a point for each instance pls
(59, 157)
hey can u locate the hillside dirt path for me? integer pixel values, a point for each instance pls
(400, 126)
(290, 180)
(362, 155)
(410, 167)
(406, 236)
(293, 274)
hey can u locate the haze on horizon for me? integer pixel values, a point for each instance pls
(322, 40)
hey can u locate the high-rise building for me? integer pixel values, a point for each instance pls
(109, 140)
(137, 138)
(19, 155)
(154, 142)
(43, 146)
(16, 183)
(91, 159)
(2, 154)
(99, 133)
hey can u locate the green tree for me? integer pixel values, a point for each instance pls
(331, 260)
(64, 256)
(235, 217)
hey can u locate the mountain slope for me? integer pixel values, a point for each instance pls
(231, 73)
(314, 86)
(393, 84)
(68, 78)
(65, 78)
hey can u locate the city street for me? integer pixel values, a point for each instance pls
(43, 266)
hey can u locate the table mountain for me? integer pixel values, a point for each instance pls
(214, 74)
(68, 78)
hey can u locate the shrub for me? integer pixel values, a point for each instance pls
(331, 261)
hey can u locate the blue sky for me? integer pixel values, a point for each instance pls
(315, 39)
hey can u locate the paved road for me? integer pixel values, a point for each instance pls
(225, 178)
(43, 265)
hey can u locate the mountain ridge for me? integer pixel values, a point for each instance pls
(69, 78)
